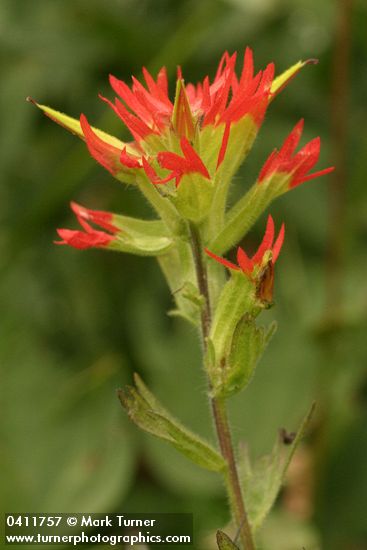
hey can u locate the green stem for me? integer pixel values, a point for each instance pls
(219, 407)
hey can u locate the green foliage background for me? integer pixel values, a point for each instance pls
(75, 326)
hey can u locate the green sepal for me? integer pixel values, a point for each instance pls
(237, 298)
(224, 542)
(147, 413)
(183, 120)
(241, 139)
(193, 197)
(248, 345)
(141, 237)
(262, 481)
(247, 210)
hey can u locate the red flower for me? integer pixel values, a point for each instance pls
(90, 237)
(246, 264)
(147, 111)
(103, 152)
(152, 107)
(179, 166)
(296, 166)
(228, 99)
(155, 122)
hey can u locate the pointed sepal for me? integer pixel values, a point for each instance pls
(248, 345)
(182, 119)
(238, 299)
(284, 78)
(73, 125)
(106, 149)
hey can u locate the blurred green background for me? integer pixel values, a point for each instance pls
(76, 325)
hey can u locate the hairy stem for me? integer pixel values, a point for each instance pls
(219, 406)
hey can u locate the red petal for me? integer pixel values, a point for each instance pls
(107, 155)
(99, 217)
(269, 166)
(222, 261)
(223, 147)
(128, 160)
(266, 243)
(123, 90)
(278, 244)
(138, 128)
(152, 174)
(172, 161)
(206, 102)
(245, 263)
(81, 240)
(162, 81)
(317, 174)
(291, 142)
(248, 68)
(153, 103)
(195, 163)
(155, 89)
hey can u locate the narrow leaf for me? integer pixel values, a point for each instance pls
(262, 480)
(146, 412)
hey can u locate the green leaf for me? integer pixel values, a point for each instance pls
(147, 413)
(262, 481)
(193, 197)
(224, 542)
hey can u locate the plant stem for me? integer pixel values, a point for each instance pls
(219, 406)
(339, 119)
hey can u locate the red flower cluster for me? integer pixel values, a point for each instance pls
(247, 264)
(296, 166)
(148, 111)
(191, 136)
(90, 237)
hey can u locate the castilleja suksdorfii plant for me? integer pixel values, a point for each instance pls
(183, 157)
